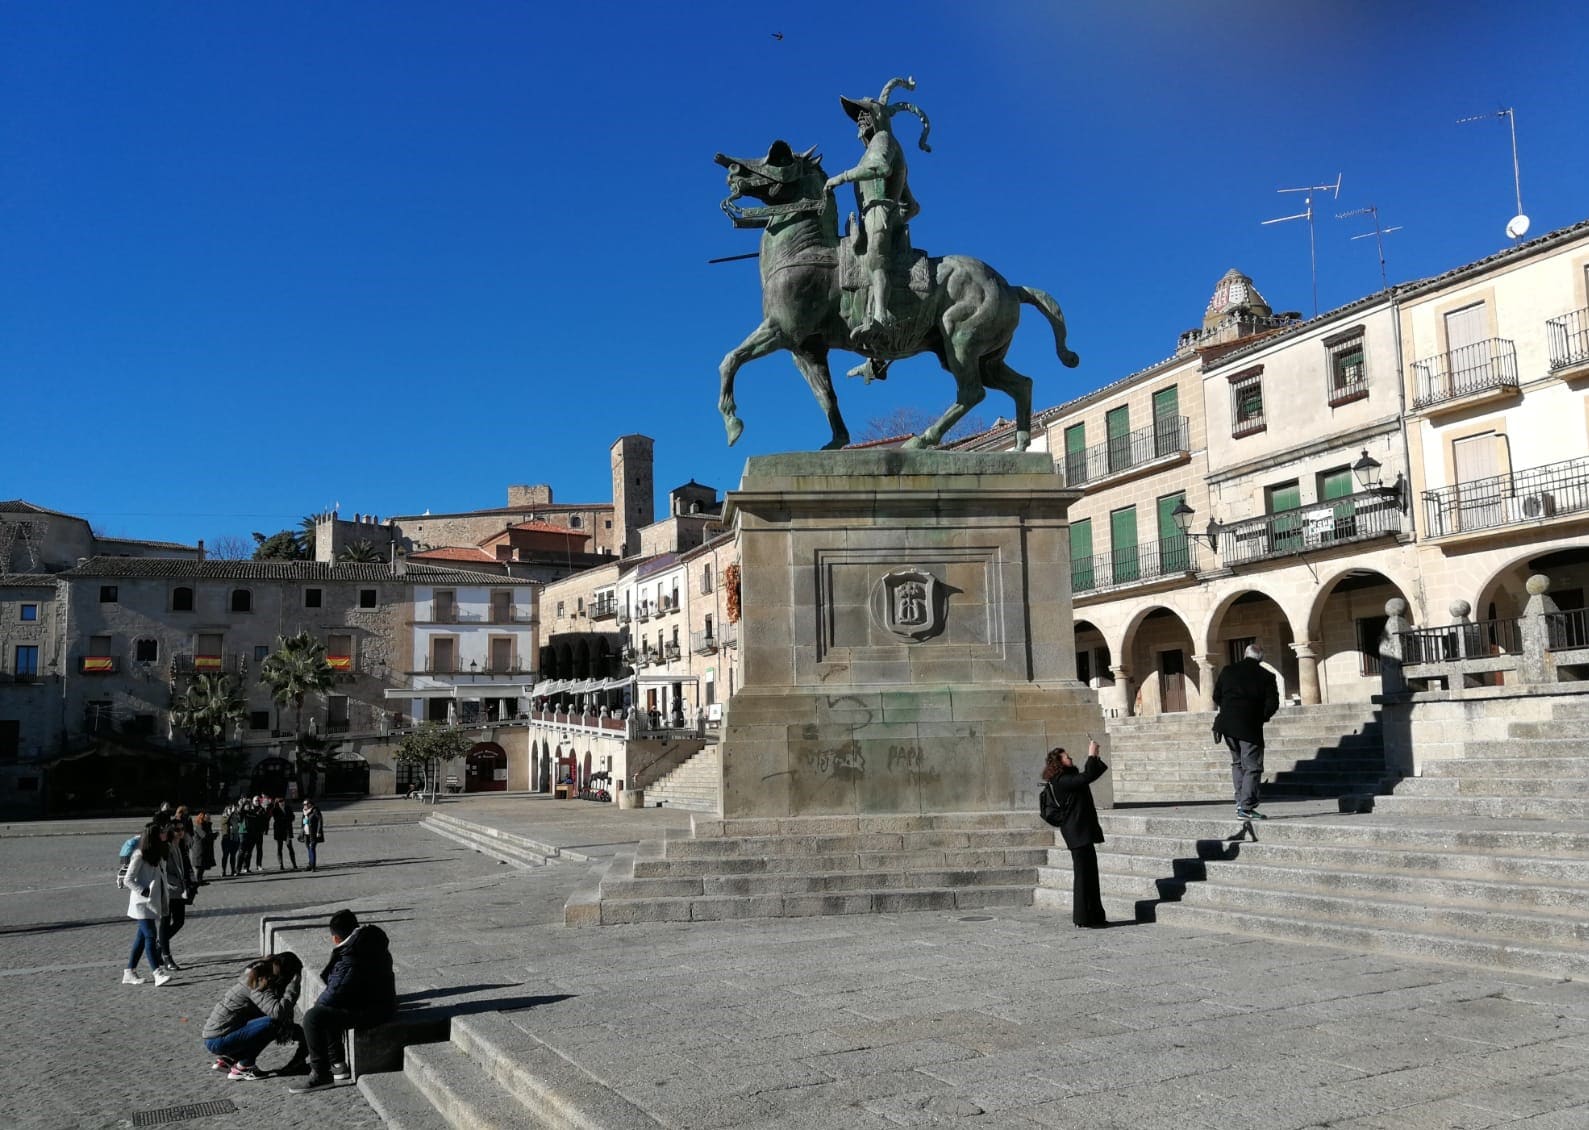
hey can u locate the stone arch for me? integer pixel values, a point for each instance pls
(485, 768)
(1094, 655)
(1250, 613)
(1339, 661)
(1503, 596)
(1158, 648)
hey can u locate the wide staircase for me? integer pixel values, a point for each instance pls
(821, 865)
(693, 786)
(1482, 862)
(1309, 751)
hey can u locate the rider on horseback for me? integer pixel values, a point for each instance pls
(882, 185)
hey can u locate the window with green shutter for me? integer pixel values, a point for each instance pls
(1123, 557)
(1076, 454)
(1167, 437)
(1283, 502)
(1081, 573)
(1335, 490)
(1174, 557)
(1117, 422)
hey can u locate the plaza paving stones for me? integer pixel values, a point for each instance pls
(1007, 1018)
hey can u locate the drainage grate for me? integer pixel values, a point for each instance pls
(182, 1113)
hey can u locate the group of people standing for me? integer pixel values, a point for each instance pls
(245, 824)
(165, 867)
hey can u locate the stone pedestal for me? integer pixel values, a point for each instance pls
(907, 640)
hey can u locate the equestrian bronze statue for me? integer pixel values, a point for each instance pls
(871, 292)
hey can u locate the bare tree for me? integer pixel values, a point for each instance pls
(230, 547)
(903, 422)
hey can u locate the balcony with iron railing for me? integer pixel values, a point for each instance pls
(185, 664)
(727, 635)
(1133, 565)
(703, 643)
(474, 668)
(1357, 517)
(1568, 336)
(1163, 441)
(1567, 630)
(603, 609)
(1485, 368)
(1508, 500)
(504, 614)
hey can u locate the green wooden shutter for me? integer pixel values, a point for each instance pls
(1285, 527)
(1081, 578)
(1123, 544)
(1167, 437)
(1117, 422)
(1173, 556)
(1335, 487)
(1076, 454)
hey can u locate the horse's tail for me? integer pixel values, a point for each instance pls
(1044, 301)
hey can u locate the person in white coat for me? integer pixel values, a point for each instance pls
(146, 903)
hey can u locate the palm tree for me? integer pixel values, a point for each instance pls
(209, 707)
(296, 669)
(360, 551)
(304, 536)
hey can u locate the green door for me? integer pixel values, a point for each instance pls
(1167, 437)
(1123, 545)
(1173, 554)
(1117, 421)
(1081, 578)
(1075, 454)
(1285, 523)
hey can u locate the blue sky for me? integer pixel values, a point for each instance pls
(263, 258)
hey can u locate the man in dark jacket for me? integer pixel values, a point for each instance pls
(1247, 696)
(360, 992)
(1080, 829)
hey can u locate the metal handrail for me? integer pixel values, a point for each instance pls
(1480, 639)
(1356, 517)
(1167, 435)
(1129, 565)
(1567, 630)
(1504, 500)
(1484, 365)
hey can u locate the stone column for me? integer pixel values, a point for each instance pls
(1307, 671)
(1123, 698)
(1206, 674)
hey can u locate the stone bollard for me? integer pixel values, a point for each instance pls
(1391, 680)
(1536, 664)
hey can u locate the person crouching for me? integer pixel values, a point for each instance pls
(255, 1011)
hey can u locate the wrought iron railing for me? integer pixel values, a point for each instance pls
(703, 643)
(1484, 365)
(185, 664)
(1129, 565)
(1569, 340)
(510, 614)
(1167, 435)
(728, 635)
(1480, 639)
(1506, 500)
(1357, 517)
(1567, 630)
(603, 609)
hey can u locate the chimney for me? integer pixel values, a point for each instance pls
(399, 561)
(201, 549)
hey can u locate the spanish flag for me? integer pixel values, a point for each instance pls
(340, 662)
(98, 664)
(206, 662)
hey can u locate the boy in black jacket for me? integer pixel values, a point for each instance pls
(360, 992)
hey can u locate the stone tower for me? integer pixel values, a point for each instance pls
(632, 492)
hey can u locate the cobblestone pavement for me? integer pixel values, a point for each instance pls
(86, 1051)
(992, 1020)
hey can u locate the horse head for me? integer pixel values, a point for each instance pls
(781, 177)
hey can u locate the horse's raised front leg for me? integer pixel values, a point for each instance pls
(764, 339)
(813, 366)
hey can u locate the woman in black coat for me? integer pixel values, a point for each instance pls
(1080, 829)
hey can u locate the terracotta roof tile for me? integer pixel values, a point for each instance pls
(417, 574)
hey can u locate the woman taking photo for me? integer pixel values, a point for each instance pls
(146, 903)
(254, 1011)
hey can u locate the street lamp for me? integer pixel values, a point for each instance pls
(1370, 474)
(1182, 517)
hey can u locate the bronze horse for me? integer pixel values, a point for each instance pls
(968, 320)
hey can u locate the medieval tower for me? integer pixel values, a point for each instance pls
(632, 492)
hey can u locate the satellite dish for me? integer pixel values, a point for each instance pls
(1517, 226)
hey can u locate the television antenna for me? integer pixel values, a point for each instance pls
(1378, 233)
(1307, 214)
(1517, 226)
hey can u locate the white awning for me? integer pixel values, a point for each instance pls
(421, 692)
(680, 678)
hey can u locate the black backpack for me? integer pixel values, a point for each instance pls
(1053, 808)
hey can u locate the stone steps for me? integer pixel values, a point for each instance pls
(1461, 768)
(693, 786)
(1563, 785)
(492, 1075)
(822, 865)
(1546, 807)
(1498, 895)
(516, 850)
